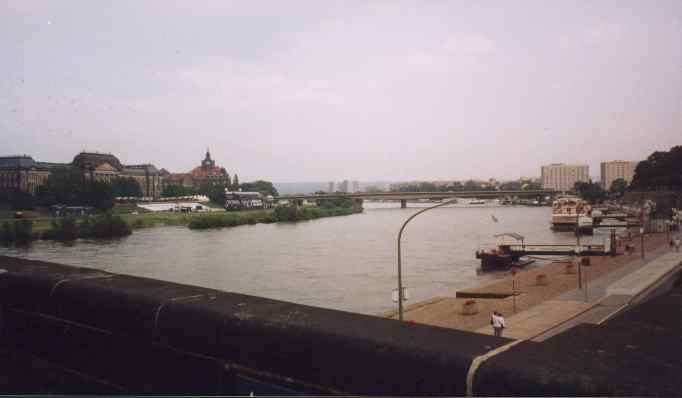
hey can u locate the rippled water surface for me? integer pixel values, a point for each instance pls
(346, 263)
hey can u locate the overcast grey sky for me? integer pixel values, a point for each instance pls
(326, 90)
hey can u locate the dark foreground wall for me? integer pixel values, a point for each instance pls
(124, 334)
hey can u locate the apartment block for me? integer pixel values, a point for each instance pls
(613, 170)
(562, 177)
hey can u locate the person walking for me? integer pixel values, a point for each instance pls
(677, 244)
(497, 320)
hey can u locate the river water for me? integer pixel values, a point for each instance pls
(346, 263)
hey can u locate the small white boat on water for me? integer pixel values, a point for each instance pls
(476, 202)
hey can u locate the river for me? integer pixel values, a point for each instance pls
(346, 263)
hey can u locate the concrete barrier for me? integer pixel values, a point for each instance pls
(149, 336)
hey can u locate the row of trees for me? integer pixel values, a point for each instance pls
(216, 192)
(594, 193)
(471, 185)
(71, 188)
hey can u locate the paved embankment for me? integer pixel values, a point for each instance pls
(538, 308)
(636, 353)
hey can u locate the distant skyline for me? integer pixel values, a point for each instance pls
(301, 91)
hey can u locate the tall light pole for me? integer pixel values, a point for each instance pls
(400, 235)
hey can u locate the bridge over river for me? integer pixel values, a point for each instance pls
(403, 197)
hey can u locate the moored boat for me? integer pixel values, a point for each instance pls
(566, 211)
(501, 258)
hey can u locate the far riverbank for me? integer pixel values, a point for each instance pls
(44, 228)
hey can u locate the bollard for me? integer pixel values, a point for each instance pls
(470, 307)
(541, 280)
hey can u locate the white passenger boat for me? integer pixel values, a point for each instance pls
(566, 212)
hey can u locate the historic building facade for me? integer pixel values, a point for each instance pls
(206, 173)
(106, 167)
(22, 173)
(25, 174)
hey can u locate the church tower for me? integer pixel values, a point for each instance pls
(207, 163)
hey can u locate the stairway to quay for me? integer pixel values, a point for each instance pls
(71, 330)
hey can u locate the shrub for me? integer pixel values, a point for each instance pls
(289, 213)
(7, 233)
(109, 226)
(65, 228)
(23, 230)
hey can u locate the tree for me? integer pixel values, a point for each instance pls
(618, 187)
(510, 186)
(70, 187)
(471, 185)
(589, 191)
(661, 170)
(171, 191)
(235, 183)
(264, 187)
(126, 187)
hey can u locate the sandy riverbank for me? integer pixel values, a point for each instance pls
(446, 311)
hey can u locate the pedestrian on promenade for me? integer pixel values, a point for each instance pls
(677, 244)
(497, 320)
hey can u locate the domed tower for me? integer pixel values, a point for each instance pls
(207, 163)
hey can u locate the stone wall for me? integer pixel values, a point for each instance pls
(148, 336)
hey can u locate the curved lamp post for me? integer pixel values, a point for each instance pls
(400, 234)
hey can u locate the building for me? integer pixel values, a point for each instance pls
(96, 166)
(343, 186)
(147, 176)
(106, 167)
(331, 187)
(356, 186)
(613, 170)
(562, 177)
(208, 173)
(22, 173)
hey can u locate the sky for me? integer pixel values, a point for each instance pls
(328, 90)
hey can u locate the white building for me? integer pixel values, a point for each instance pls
(613, 170)
(562, 177)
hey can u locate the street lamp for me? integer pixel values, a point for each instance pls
(400, 271)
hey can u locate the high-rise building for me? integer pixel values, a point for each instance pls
(356, 186)
(343, 186)
(331, 187)
(562, 177)
(613, 170)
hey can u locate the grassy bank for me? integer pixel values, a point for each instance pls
(282, 214)
(123, 223)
